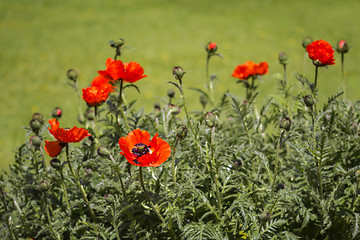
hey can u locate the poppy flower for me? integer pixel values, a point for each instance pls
(95, 96)
(321, 52)
(63, 136)
(133, 72)
(140, 151)
(100, 81)
(117, 70)
(250, 69)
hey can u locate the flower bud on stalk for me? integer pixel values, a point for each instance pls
(178, 72)
(211, 47)
(171, 93)
(103, 152)
(306, 41)
(56, 113)
(342, 47)
(109, 198)
(283, 59)
(39, 117)
(117, 43)
(181, 132)
(211, 119)
(35, 141)
(265, 216)
(72, 75)
(44, 185)
(285, 123)
(309, 100)
(35, 125)
(55, 163)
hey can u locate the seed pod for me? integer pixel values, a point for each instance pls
(285, 123)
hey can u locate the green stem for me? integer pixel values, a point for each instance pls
(284, 74)
(343, 74)
(117, 170)
(318, 161)
(316, 76)
(173, 159)
(148, 197)
(64, 190)
(276, 167)
(120, 105)
(7, 220)
(81, 188)
(48, 217)
(216, 175)
(209, 79)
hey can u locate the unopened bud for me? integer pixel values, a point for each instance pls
(283, 59)
(306, 41)
(181, 132)
(178, 72)
(35, 125)
(55, 163)
(171, 93)
(88, 172)
(265, 216)
(103, 152)
(157, 106)
(285, 123)
(39, 117)
(342, 46)
(44, 185)
(109, 198)
(117, 43)
(35, 141)
(72, 75)
(211, 119)
(280, 186)
(309, 100)
(211, 47)
(56, 113)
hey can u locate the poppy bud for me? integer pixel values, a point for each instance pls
(88, 172)
(103, 152)
(211, 119)
(90, 114)
(171, 93)
(109, 198)
(265, 216)
(35, 125)
(203, 100)
(44, 185)
(283, 59)
(39, 117)
(55, 163)
(178, 72)
(342, 46)
(35, 141)
(72, 74)
(174, 109)
(280, 186)
(56, 113)
(181, 132)
(211, 47)
(117, 43)
(285, 123)
(309, 100)
(306, 41)
(157, 105)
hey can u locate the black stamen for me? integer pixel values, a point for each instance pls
(140, 149)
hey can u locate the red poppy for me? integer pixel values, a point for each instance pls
(211, 47)
(250, 69)
(95, 96)
(114, 69)
(133, 72)
(63, 136)
(117, 70)
(321, 52)
(140, 151)
(100, 81)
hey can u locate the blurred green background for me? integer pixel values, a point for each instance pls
(40, 40)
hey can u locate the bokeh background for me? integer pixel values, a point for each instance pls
(40, 40)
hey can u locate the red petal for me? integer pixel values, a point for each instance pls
(53, 148)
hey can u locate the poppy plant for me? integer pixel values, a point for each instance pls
(140, 151)
(63, 136)
(117, 70)
(321, 52)
(250, 69)
(94, 96)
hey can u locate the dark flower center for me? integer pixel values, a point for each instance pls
(140, 149)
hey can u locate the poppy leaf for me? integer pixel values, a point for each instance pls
(176, 85)
(200, 91)
(132, 85)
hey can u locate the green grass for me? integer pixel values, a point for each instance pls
(41, 40)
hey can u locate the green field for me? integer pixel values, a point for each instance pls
(40, 40)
